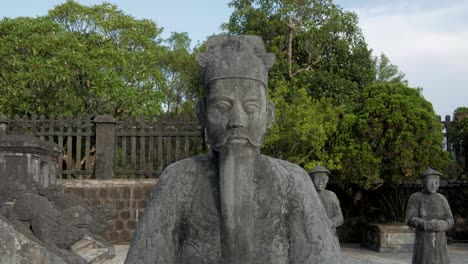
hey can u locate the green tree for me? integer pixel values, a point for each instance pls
(302, 127)
(318, 45)
(393, 135)
(387, 72)
(458, 136)
(81, 60)
(183, 77)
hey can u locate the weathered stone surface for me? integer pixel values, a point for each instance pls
(28, 160)
(234, 205)
(16, 247)
(110, 192)
(105, 144)
(57, 227)
(396, 237)
(429, 213)
(320, 177)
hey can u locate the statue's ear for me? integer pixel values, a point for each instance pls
(270, 107)
(200, 111)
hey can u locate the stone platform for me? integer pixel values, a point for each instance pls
(352, 254)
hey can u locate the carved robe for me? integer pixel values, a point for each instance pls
(332, 207)
(430, 247)
(181, 223)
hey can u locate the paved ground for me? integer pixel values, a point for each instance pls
(353, 254)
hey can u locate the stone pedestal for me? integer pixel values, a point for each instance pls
(28, 160)
(388, 237)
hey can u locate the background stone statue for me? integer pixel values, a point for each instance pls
(429, 212)
(234, 205)
(320, 177)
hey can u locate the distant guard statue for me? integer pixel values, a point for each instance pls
(320, 176)
(429, 212)
(234, 205)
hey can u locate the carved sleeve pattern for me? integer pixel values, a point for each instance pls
(412, 213)
(156, 239)
(337, 215)
(448, 217)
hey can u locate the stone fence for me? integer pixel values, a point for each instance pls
(106, 148)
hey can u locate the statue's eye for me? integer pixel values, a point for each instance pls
(251, 107)
(223, 106)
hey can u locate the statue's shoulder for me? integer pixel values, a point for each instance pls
(288, 172)
(291, 168)
(330, 194)
(441, 197)
(189, 165)
(417, 196)
(185, 170)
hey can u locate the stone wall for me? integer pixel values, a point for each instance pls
(127, 197)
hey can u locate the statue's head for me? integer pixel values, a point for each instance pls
(77, 216)
(320, 176)
(234, 109)
(430, 180)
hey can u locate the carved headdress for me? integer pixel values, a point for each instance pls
(319, 168)
(430, 171)
(235, 57)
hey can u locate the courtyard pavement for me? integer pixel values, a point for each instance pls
(353, 254)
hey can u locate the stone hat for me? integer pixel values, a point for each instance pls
(319, 168)
(430, 171)
(235, 57)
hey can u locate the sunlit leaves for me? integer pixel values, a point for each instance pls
(302, 127)
(391, 137)
(79, 59)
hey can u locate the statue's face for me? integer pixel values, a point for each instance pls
(236, 113)
(431, 183)
(320, 180)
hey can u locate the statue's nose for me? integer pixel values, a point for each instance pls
(237, 118)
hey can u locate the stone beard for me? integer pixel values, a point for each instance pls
(234, 205)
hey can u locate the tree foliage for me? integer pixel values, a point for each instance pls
(318, 45)
(302, 127)
(387, 72)
(391, 137)
(183, 77)
(458, 136)
(89, 60)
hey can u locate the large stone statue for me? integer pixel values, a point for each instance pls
(320, 177)
(429, 212)
(234, 205)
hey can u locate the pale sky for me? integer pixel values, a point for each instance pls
(426, 39)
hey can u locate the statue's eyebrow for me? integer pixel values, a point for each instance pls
(251, 98)
(220, 97)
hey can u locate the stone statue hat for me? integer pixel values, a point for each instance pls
(430, 171)
(235, 57)
(319, 168)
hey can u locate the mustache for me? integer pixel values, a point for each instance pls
(238, 133)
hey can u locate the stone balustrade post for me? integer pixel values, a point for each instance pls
(105, 147)
(3, 124)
